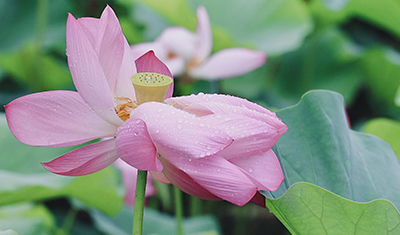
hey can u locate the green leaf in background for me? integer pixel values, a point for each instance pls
(386, 129)
(320, 148)
(328, 60)
(384, 14)
(19, 24)
(154, 223)
(27, 219)
(36, 70)
(280, 26)
(176, 11)
(382, 69)
(309, 209)
(275, 27)
(250, 85)
(24, 178)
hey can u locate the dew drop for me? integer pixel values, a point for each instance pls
(251, 170)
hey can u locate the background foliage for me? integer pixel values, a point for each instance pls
(338, 180)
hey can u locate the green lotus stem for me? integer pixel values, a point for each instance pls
(41, 21)
(214, 86)
(139, 203)
(195, 206)
(178, 211)
(68, 222)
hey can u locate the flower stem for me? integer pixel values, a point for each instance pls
(214, 86)
(178, 211)
(68, 222)
(41, 21)
(139, 203)
(195, 206)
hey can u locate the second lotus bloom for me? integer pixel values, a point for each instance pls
(187, 53)
(210, 146)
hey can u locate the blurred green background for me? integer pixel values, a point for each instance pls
(348, 46)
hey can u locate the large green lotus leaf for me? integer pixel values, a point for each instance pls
(26, 219)
(386, 129)
(154, 223)
(328, 60)
(384, 14)
(309, 209)
(382, 69)
(23, 178)
(273, 26)
(321, 149)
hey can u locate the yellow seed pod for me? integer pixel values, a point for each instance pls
(150, 86)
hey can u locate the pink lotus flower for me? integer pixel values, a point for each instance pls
(188, 53)
(101, 64)
(129, 178)
(215, 147)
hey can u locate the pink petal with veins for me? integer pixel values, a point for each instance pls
(175, 64)
(204, 40)
(179, 133)
(185, 183)
(113, 51)
(223, 100)
(93, 30)
(160, 177)
(228, 63)
(177, 41)
(250, 136)
(87, 73)
(55, 118)
(135, 146)
(85, 160)
(216, 175)
(264, 170)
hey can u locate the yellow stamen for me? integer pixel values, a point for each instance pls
(193, 63)
(124, 110)
(150, 86)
